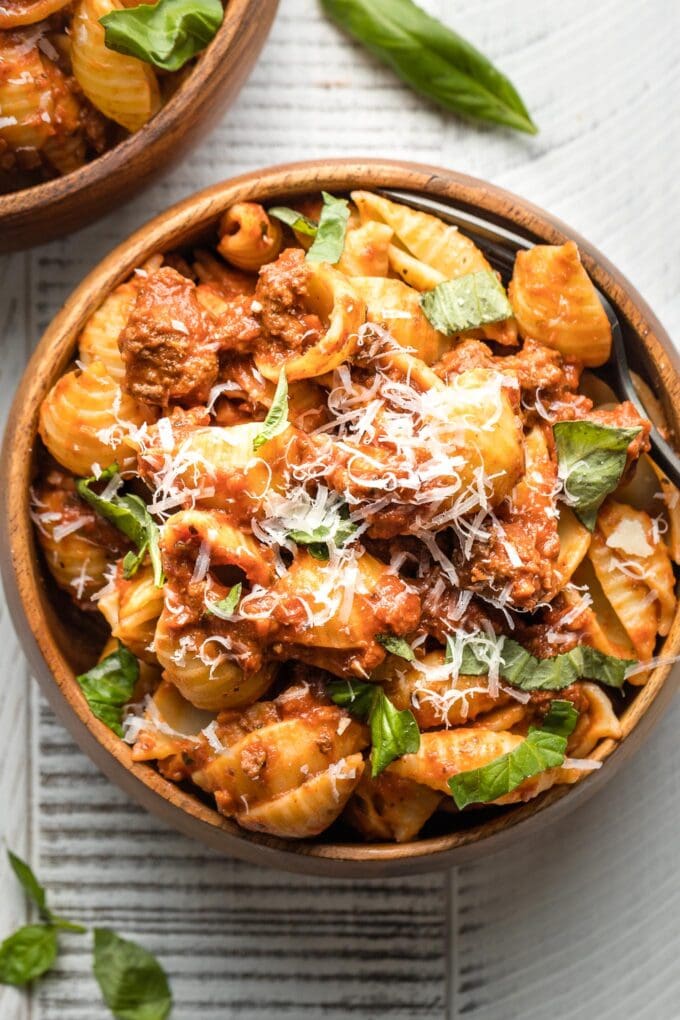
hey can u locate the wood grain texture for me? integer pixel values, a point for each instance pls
(586, 920)
(35, 215)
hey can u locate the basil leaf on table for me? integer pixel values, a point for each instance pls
(166, 34)
(433, 59)
(396, 645)
(298, 222)
(27, 953)
(36, 892)
(226, 606)
(467, 302)
(521, 669)
(109, 685)
(277, 417)
(393, 733)
(130, 515)
(30, 884)
(540, 750)
(591, 460)
(330, 234)
(132, 981)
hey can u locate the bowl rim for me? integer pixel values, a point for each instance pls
(209, 67)
(31, 611)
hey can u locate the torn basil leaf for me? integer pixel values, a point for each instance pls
(433, 59)
(561, 718)
(132, 981)
(30, 884)
(109, 686)
(393, 733)
(396, 645)
(330, 234)
(130, 515)
(166, 34)
(540, 750)
(521, 669)
(226, 606)
(27, 953)
(467, 302)
(277, 418)
(36, 892)
(297, 221)
(338, 530)
(591, 460)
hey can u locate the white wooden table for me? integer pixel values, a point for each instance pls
(585, 922)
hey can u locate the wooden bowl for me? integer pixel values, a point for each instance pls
(39, 214)
(57, 650)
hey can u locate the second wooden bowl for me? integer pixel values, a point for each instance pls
(57, 650)
(41, 213)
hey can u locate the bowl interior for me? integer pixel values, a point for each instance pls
(60, 645)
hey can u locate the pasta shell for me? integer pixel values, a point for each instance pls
(99, 338)
(86, 419)
(123, 88)
(28, 12)
(332, 298)
(390, 808)
(396, 308)
(555, 302)
(310, 808)
(427, 688)
(248, 236)
(132, 609)
(366, 250)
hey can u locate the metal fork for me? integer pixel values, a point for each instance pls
(500, 245)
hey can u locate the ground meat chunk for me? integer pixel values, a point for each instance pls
(536, 366)
(281, 292)
(520, 554)
(168, 356)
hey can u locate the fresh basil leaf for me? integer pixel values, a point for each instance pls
(561, 718)
(540, 751)
(130, 515)
(466, 302)
(295, 220)
(396, 645)
(28, 953)
(591, 460)
(354, 695)
(167, 33)
(339, 530)
(433, 59)
(393, 733)
(36, 892)
(521, 669)
(132, 981)
(277, 418)
(226, 606)
(330, 234)
(30, 884)
(109, 685)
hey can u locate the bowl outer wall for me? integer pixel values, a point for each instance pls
(54, 209)
(34, 617)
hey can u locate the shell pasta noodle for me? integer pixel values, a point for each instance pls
(67, 91)
(383, 556)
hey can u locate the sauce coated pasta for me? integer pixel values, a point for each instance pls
(373, 543)
(69, 90)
